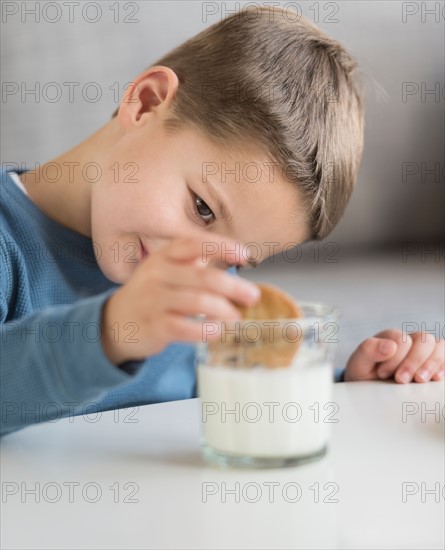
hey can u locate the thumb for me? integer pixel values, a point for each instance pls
(385, 348)
(371, 351)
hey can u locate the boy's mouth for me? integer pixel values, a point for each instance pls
(144, 252)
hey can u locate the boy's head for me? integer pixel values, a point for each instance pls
(262, 108)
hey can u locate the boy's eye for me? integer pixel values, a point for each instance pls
(202, 210)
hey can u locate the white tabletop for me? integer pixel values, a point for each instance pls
(136, 479)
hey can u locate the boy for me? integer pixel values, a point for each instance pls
(102, 248)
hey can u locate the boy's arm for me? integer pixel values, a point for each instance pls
(52, 362)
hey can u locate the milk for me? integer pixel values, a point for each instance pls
(262, 412)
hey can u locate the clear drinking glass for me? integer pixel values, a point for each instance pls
(265, 388)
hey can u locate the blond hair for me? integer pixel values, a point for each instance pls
(270, 77)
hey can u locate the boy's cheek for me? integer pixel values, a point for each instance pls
(114, 265)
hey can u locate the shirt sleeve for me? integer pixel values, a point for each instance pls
(52, 362)
(339, 374)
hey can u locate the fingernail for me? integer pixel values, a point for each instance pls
(440, 374)
(385, 346)
(423, 374)
(405, 376)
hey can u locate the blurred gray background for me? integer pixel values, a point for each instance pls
(384, 263)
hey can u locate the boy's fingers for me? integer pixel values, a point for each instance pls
(208, 249)
(433, 367)
(429, 368)
(189, 302)
(439, 375)
(403, 343)
(370, 352)
(185, 330)
(214, 280)
(422, 348)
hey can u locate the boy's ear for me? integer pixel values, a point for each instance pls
(152, 91)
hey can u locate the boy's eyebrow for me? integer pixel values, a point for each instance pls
(225, 214)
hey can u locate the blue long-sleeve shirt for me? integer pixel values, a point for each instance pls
(51, 296)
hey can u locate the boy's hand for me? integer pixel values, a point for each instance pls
(415, 357)
(150, 310)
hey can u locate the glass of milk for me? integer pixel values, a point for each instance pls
(265, 388)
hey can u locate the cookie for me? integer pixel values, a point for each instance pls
(256, 339)
(273, 304)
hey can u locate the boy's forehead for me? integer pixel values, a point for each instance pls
(246, 165)
(234, 150)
